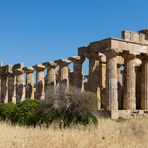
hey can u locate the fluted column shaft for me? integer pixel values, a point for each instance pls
(144, 85)
(29, 82)
(111, 82)
(120, 100)
(50, 79)
(103, 82)
(11, 87)
(4, 89)
(64, 74)
(40, 82)
(94, 74)
(78, 72)
(0, 83)
(20, 85)
(129, 102)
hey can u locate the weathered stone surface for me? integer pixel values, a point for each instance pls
(20, 85)
(40, 82)
(64, 74)
(78, 72)
(50, 79)
(111, 81)
(144, 83)
(11, 84)
(4, 85)
(130, 83)
(29, 82)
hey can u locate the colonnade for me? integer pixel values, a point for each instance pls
(17, 82)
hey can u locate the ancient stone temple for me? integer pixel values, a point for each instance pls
(118, 75)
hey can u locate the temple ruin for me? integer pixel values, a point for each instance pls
(118, 75)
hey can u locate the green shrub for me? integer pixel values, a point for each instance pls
(7, 111)
(26, 112)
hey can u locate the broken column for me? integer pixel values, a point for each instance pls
(78, 72)
(29, 82)
(111, 81)
(50, 79)
(64, 74)
(40, 82)
(129, 102)
(20, 82)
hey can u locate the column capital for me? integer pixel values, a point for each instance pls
(9, 70)
(128, 56)
(49, 64)
(77, 59)
(18, 71)
(63, 62)
(6, 70)
(28, 69)
(95, 56)
(39, 67)
(142, 56)
(18, 66)
(111, 53)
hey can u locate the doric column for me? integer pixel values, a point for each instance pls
(129, 102)
(144, 83)
(94, 76)
(50, 79)
(11, 84)
(20, 85)
(4, 85)
(138, 86)
(120, 102)
(78, 72)
(0, 81)
(29, 82)
(111, 81)
(63, 73)
(40, 82)
(103, 81)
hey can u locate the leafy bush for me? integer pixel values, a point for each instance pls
(26, 112)
(7, 111)
(71, 107)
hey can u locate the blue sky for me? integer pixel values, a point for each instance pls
(34, 31)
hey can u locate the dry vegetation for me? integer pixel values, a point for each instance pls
(109, 134)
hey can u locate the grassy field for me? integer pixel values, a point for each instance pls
(109, 134)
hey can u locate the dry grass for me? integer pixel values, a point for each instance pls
(109, 134)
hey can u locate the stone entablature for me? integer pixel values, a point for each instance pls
(118, 74)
